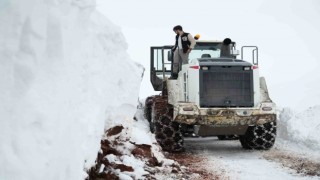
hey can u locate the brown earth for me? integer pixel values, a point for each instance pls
(114, 131)
(114, 141)
(195, 164)
(297, 162)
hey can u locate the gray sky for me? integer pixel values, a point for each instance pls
(286, 31)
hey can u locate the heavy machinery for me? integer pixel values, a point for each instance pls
(216, 94)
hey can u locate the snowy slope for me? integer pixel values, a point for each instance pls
(65, 75)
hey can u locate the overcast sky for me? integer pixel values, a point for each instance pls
(286, 31)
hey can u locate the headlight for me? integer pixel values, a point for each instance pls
(267, 108)
(188, 108)
(205, 68)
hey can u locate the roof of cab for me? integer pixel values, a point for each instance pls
(208, 41)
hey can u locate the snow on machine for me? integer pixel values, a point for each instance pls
(216, 94)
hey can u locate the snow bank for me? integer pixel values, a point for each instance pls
(65, 76)
(301, 128)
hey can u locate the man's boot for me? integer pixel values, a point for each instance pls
(174, 76)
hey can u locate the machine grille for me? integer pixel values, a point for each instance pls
(226, 87)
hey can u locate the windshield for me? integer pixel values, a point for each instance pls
(205, 50)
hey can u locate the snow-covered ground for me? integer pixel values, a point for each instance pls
(229, 160)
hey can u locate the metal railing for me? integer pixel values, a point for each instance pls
(255, 59)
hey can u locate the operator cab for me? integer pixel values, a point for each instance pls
(162, 58)
(211, 49)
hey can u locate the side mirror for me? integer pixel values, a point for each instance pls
(170, 56)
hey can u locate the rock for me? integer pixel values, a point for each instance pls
(105, 162)
(154, 162)
(123, 167)
(108, 176)
(107, 149)
(142, 151)
(114, 131)
(174, 170)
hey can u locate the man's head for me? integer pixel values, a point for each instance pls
(178, 29)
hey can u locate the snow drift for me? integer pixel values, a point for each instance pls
(301, 128)
(65, 76)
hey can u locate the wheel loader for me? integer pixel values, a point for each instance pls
(217, 93)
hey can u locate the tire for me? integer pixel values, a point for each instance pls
(148, 107)
(168, 133)
(261, 137)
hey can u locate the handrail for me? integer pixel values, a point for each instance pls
(163, 68)
(255, 50)
(255, 62)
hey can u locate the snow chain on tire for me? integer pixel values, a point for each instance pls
(167, 132)
(260, 137)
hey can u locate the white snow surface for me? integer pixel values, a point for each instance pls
(65, 77)
(302, 128)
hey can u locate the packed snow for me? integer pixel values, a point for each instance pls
(65, 77)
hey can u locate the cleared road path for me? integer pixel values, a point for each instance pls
(230, 161)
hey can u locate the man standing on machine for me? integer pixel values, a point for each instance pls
(183, 46)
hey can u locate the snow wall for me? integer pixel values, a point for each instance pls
(65, 76)
(301, 128)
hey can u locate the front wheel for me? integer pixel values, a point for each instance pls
(167, 132)
(148, 107)
(260, 137)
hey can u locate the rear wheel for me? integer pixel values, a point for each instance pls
(167, 132)
(260, 137)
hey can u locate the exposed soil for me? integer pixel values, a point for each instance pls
(196, 166)
(297, 162)
(115, 139)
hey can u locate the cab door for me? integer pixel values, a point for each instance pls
(161, 58)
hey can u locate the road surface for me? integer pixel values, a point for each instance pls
(227, 160)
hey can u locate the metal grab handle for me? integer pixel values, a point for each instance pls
(163, 70)
(255, 50)
(254, 61)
